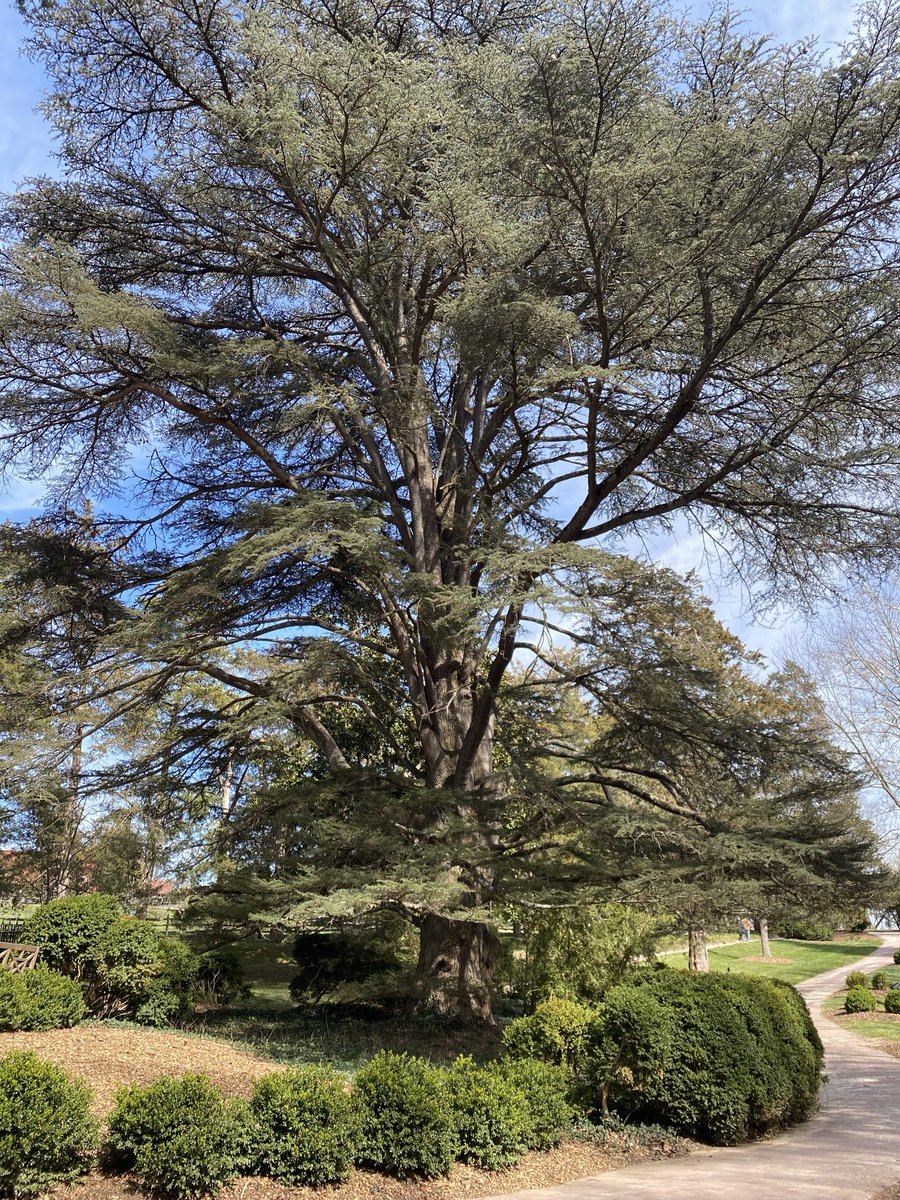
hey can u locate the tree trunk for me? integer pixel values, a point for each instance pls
(456, 967)
(764, 937)
(698, 955)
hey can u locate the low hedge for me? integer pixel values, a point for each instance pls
(718, 1057)
(557, 1032)
(491, 1115)
(546, 1088)
(47, 1133)
(306, 1126)
(406, 1117)
(39, 999)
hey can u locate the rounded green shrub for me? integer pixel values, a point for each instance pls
(306, 1126)
(859, 999)
(406, 1123)
(805, 930)
(181, 1136)
(491, 1116)
(47, 1133)
(879, 981)
(856, 979)
(556, 1032)
(68, 930)
(220, 977)
(39, 999)
(892, 1001)
(545, 1087)
(717, 1057)
(896, 957)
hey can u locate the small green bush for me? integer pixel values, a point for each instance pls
(556, 1032)
(896, 957)
(307, 1126)
(856, 979)
(39, 999)
(545, 1087)
(181, 1137)
(220, 977)
(806, 931)
(859, 999)
(491, 1116)
(47, 1133)
(406, 1123)
(69, 930)
(879, 981)
(892, 1001)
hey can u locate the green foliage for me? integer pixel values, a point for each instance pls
(892, 1000)
(556, 1032)
(722, 1058)
(616, 1134)
(405, 1115)
(859, 999)
(806, 930)
(856, 979)
(220, 977)
(181, 1137)
(545, 1087)
(306, 1126)
(896, 957)
(879, 981)
(331, 961)
(491, 1115)
(39, 999)
(47, 1133)
(69, 930)
(577, 953)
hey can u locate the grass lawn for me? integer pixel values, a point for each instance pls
(792, 961)
(880, 1026)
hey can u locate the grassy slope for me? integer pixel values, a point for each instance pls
(798, 960)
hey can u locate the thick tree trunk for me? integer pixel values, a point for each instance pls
(456, 966)
(764, 937)
(698, 955)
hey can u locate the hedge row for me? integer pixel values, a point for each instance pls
(306, 1126)
(722, 1058)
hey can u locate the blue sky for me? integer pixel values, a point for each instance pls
(26, 149)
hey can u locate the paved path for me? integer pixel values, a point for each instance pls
(848, 1151)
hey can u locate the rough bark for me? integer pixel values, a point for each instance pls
(698, 954)
(764, 937)
(457, 959)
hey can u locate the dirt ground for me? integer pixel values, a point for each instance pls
(108, 1057)
(571, 1160)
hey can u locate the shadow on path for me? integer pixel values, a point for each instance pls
(847, 1151)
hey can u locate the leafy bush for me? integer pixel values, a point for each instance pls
(556, 1032)
(406, 1123)
(220, 977)
(546, 1089)
(859, 999)
(307, 1126)
(491, 1116)
(896, 957)
(856, 979)
(125, 966)
(180, 1136)
(615, 1134)
(39, 999)
(892, 1001)
(717, 1057)
(806, 931)
(47, 1133)
(331, 961)
(879, 981)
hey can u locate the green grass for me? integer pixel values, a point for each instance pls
(802, 959)
(881, 1026)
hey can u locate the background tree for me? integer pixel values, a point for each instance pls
(416, 304)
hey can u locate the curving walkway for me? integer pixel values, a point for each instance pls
(847, 1151)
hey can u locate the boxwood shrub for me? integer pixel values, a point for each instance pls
(39, 999)
(896, 957)
(47, 1133)
(306, 1126)
(879, 981)
(892, 1001)
(181, 1137)
(491, 1116)
(556, 1032)
(406, 1120)
(717, 1057)
(546, 1089)
(859, 999)
(856, 979)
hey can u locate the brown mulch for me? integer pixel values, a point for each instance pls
(571, 1160)
(106, 1058)
(889, 1193)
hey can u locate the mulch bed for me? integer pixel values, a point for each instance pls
(571, 1160)
(107, 1057)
